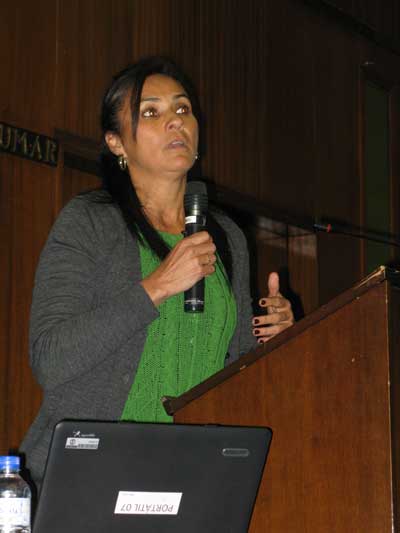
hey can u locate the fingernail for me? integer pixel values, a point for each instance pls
(256, 332)
(263, 301)
(256, 321)
(261, 341)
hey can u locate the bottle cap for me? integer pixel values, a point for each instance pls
(10, 462)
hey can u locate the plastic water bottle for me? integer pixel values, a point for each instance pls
(15, 498)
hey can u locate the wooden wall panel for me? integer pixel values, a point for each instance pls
(27, 96)
(7, 53)
(6, 216)
(94, 41)
(395, 168)
(30, 189)
(337, 192)
(169, 28)
(233, 82)
(29, 58)
(381, 17)
(302, 272)
(74, 182)
(25, 224)
(290, 167)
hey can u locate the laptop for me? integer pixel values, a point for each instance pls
(134, 477)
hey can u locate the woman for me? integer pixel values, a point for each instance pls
(108, 333)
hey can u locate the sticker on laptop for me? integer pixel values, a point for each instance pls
(148, 503)
(82, 443)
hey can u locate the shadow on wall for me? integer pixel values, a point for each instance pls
(247, 226)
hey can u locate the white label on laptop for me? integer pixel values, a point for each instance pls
(81, 443)
(161, 503)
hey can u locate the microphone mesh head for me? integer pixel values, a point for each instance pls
(196, 200)
(196, 187)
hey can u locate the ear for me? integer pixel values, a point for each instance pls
(114, 143)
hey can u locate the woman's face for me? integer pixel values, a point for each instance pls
(167, 131)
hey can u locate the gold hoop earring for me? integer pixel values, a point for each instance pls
(122, 162)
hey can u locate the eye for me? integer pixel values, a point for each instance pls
(149, 112)
(183, 109)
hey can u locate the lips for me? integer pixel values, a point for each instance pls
(176, 144)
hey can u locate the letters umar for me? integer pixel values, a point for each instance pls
(27, 144)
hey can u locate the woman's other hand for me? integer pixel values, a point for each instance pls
(188, 262)
(280, 315)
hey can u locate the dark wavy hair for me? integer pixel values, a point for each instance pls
(129, 82)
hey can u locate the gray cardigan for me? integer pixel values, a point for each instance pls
(90, 314)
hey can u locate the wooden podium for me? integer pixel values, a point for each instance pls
(329, 387)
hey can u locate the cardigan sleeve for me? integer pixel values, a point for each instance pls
(243, 339)
(71, 330)
(246, 339)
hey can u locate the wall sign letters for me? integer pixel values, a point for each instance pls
(28, 144)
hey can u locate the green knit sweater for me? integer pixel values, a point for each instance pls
(182, 349)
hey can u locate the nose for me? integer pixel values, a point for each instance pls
(174, 122)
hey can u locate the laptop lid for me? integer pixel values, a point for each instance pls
(124, 477)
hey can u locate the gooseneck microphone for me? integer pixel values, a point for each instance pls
(196, 205)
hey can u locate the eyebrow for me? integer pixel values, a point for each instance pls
(156, 99)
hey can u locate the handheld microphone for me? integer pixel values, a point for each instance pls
(196, 205)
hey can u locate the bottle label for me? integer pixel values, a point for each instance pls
(15, 511)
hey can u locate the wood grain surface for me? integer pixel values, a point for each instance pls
(327, 393)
